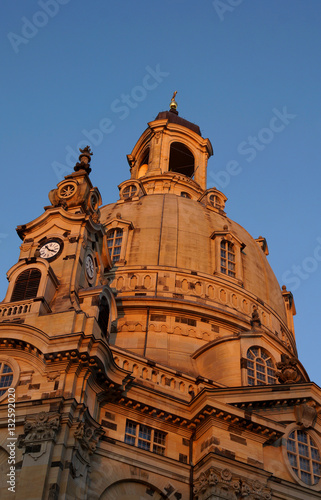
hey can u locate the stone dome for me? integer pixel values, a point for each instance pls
(175, 232)
(188, 279)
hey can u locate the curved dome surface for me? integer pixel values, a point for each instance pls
(176, 232)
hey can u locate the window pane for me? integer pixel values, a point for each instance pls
(303, 450)
(316, 469)
(145, 445)
(159, 438)
(291, 446)
(292, 459)
(131, 428)
(302, 436)
(315, 454)
(129, 440)
(159, 450)
(306, 478)
(304, 464)
(6, 380)
(145, 432)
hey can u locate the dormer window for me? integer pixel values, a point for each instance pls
(129, 191)
(114, 242)
(214, 201)
(227, 258)
(260, 367)
(26, 285)
(228, 255)
(181, 159)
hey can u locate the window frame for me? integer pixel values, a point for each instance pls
(229, 269)
(265, 356)
(12, 363)
(27, 284)
(145, 437)
(126, 192)
(127, 227)
(221, 236)
(312, 436)
(129, 191)
(115, 257)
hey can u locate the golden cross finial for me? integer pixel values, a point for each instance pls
(173, 103)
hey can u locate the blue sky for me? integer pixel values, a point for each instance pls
(246, 71)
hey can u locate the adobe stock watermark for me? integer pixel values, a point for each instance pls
(121, 108)
(40, 19)
(293, 277)
(252, 146)
(223, 6)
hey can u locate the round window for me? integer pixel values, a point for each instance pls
(9, 375)
(304, 456)
(67, 190)
(6, 377)
(129, 191)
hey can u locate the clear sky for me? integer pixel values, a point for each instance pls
(247, 72)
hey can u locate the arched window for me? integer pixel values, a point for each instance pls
(103, 314)
(227, 258)
(26, 285)
(6, 377)
(181, 160)
(260, 367)
(114, 241)
(129, 191)
(185, 195)
(145, 159)
(304, 457)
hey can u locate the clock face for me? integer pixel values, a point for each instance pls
(89, 264)
(50, 249)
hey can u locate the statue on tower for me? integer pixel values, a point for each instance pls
(84, 160)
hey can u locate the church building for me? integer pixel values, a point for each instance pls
(147, 350)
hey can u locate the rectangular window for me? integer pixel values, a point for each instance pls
(145, 437)
(186, 321)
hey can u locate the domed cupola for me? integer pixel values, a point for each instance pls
(194, 289)
(171, 145)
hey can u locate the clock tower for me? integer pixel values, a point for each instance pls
(54, 324)
(63, 256)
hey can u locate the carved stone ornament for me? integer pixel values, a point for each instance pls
(306, 414)
(87, 437)
(254, 490)
(255, 320)
(53, 491)
(84, 160)
(41, 427)
(288, 372)
(216, 484)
